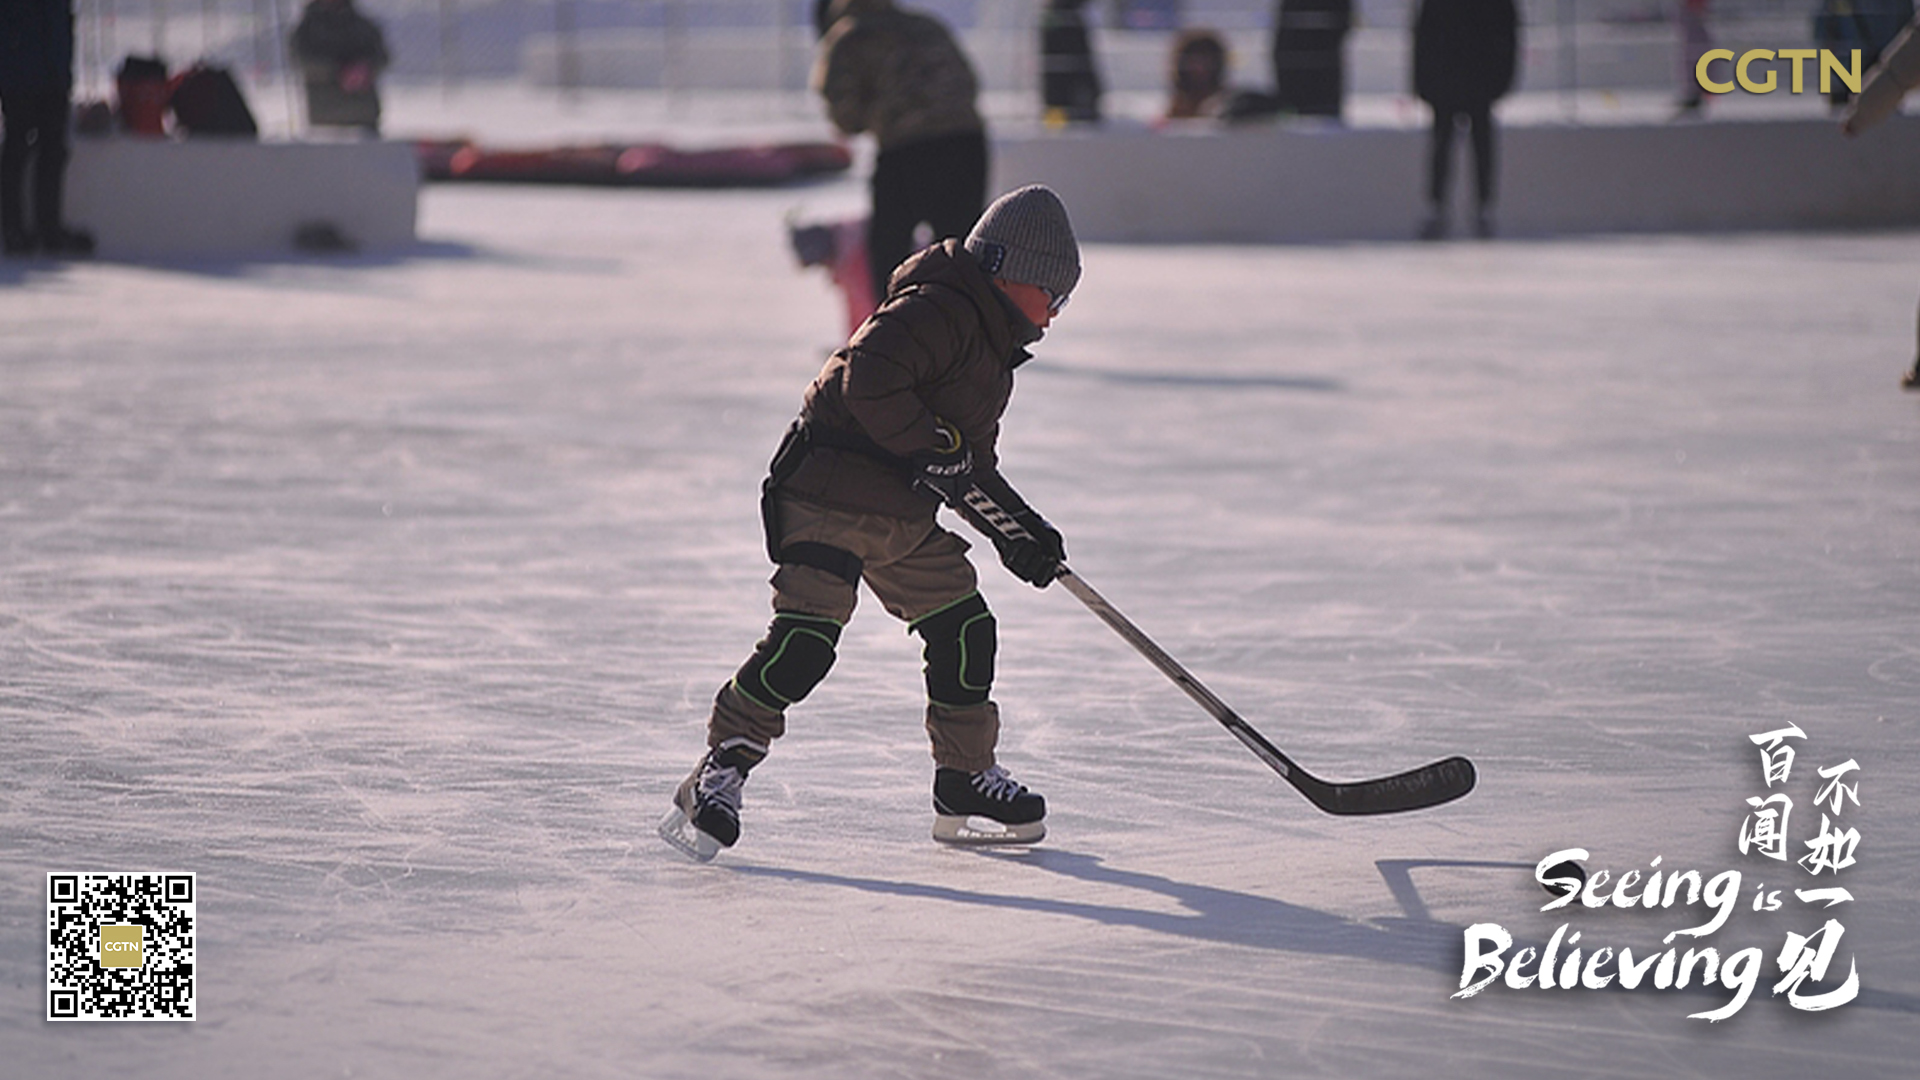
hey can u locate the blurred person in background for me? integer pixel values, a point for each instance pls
(1309, 55)
(1069, 80)
(901, 76)
(1199, 90)
(1465, 54)
(36, 87)
(1885, 85)
(1690, 18)
(341, 54)
(1867, 25)
(1198, 75)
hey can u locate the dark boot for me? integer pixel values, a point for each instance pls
(1013, 814)
(706, 808)
(62, 241)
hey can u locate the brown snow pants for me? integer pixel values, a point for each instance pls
(915, 568)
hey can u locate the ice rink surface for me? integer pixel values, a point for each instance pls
(388, 596)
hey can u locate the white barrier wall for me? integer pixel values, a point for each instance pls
(211, 197)
(1007, 56)
(1328, 183)
(225, 198)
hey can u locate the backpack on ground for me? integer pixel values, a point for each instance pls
(206, 101)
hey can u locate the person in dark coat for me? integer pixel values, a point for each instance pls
(1069, 81)
(902, 76)
(1887, 82)
(1197, 75)
(36, 87)
(1690, 16)
(1309, 55)
(341, 54)
(1868, 25)
(1465, 55)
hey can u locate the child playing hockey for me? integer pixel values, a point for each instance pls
(901, 420)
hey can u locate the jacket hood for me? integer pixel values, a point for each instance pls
(948, 265)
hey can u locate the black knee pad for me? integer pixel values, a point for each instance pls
(790, 661)
(961, 640)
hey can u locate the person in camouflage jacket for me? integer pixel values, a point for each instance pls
(900, 76)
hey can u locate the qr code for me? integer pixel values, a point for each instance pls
(120, 946)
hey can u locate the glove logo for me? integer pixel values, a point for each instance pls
(996, 517)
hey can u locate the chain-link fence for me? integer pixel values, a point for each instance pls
(691, 47)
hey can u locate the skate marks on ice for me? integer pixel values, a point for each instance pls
(681, 835)
(1215, 915)
(1397, 873)
(1227, 917)
(1225, 380)
(315, 272)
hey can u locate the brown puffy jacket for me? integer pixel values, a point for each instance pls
(944, 344)
(898, 74)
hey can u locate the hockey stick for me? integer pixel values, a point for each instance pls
(1416, 789)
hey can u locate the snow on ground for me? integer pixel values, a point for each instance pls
(387, 595)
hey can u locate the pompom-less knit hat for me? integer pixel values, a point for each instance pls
(1025, 237)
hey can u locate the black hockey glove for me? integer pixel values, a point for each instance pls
(1035, 560)
(1029, 547)
(946, 471)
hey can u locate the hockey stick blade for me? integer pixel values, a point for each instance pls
(1416, 789)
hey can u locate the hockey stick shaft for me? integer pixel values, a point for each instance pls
(1415, 789)
(1429, 785)
(1181, 677)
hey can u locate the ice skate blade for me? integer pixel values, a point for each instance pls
(974, 830)
(678, 832)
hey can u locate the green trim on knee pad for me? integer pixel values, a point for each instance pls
(961, 641)
(790, 661)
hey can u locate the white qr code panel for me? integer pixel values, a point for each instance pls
(121, 946)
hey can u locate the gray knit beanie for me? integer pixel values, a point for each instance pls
(1025, 237)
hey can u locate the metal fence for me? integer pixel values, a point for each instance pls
(696, 46)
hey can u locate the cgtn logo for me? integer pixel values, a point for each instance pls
(122, 946)
(1830, 67)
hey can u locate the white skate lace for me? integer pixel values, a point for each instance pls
(994, 783)
(721, 785)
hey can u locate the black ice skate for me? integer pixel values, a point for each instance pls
(706, 809)
(986, 807)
